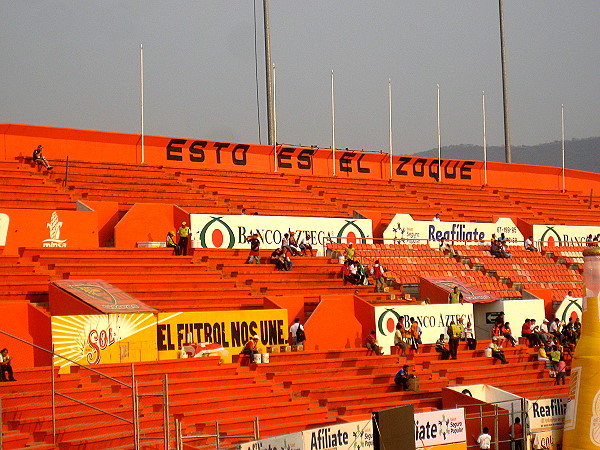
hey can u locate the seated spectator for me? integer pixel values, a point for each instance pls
(577, 327)
(361, 273)
(306, 248)
(542, 355)
(401, 377)
(469, 336)
(251, 347)
(5, 366)
(372, 343)
(537, 331)
(440, 347)
(507, 333)
(286, 245)
(170, 242)
(527, 332)
(278, 258)
(554, 329)
(497, 352)
(497, 331)
(294, 245)
(529, 244)
(503, 250)
(561, 371)
(399, 339)
(347, 275)
(39, 159)
(436, 218)
(495, 249)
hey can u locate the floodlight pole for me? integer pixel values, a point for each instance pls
(332, 123)
(390, 109)
(142, 99)
(439, 136)
(562, 121)
(484, 142)
(507, 150)
(269, 74)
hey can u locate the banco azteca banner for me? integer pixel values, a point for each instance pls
(232, 231)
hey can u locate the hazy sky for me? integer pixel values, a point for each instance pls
(76, 64)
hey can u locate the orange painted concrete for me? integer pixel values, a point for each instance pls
(108, 217)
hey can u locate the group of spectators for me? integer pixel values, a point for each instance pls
(498, 247)
(281, 256)
(183, 235)
(592, 241)
(354, 272)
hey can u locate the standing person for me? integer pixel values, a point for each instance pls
(378, 272)
(469, 336)
(399, 339)
(518, 434)
(484, 440)
(454, 331)
(401, 377)
(254, 249)
(184, 233)
(5, 366)
(415, 334)
(170, 242)
(39, 159)
(349, 252)
(297, 332)
(561, 371)
(456, 296)
(372, 343)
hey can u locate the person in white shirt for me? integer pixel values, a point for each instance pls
(294, 332)
(484, 440)
(529, 244)
(436, 218)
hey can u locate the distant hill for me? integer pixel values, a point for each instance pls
(580, 154)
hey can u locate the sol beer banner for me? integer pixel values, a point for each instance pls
(99, 339)
(47, 228)
(230, 329)
(404, 229)
(231, 231)
(563, 234)
(440, 427)
(433, 320)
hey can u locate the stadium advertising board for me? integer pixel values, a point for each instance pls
(291, 441)
(570, 308)
(563, 234)
(547, 440)
(230, 329)
(107, 338)
(345, 436)
(232, 231)
(404, 229)
(48, 229)
(433, 320)
(440, 427)
(546, 414)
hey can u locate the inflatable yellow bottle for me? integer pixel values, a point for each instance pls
(582, 420)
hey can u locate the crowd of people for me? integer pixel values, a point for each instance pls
(357, 274)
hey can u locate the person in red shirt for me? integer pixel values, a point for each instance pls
(518, 434)
(561, 371)
(372, 343)
(527, 332)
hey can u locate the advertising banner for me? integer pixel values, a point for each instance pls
(404, 229)
(230, 329)
(100, 339)
(291, 441)
(48, 229)
(563, 234)
(546, 413)
(232, 231)
(103, 296)
(440, 427)
(433, 320)
(547, 440)
(345, 436)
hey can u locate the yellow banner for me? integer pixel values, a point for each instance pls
(231, 329)
(106, 338)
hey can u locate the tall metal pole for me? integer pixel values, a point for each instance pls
(269, 67)
(562, 121)
(439, 136)
(484, 141)
(507, 151)
(332, 123)
(390, 108)
(142, 98)
(274, 120)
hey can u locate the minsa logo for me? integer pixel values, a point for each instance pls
(54, 227)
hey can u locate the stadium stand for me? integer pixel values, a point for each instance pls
(294, 390)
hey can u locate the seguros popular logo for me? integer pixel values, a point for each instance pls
(216, 234)
(54, 227)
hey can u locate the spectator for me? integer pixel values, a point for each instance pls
(503, 250)
(401, 378)
(306, 247)
(349, 252)
(39, 159)
(517, 434)
(454, 331)
(529, 244)
(278, 258)
(297, 332)
(456, 296)
(347, 275)
(555, 357)
(569, 296)
(589, 241)
(183, 233)
(577, 328)
(286, 244)
(507, 333)
(497, 332)
(372, 343)
(415, 334)
(243, 213)
(378, 273)
(170, 242)
(251, 347)
(469, 336)
(440, 347)
(361, 273)
(399, 339)
(294, 245)
(484, 440)
(497, 352)
(542, 356)
(554, 329)
(561, 371)
(436, 218)
(537, 332)
(499, 320)
(254, 249)
(5, 366)
(527, 333)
